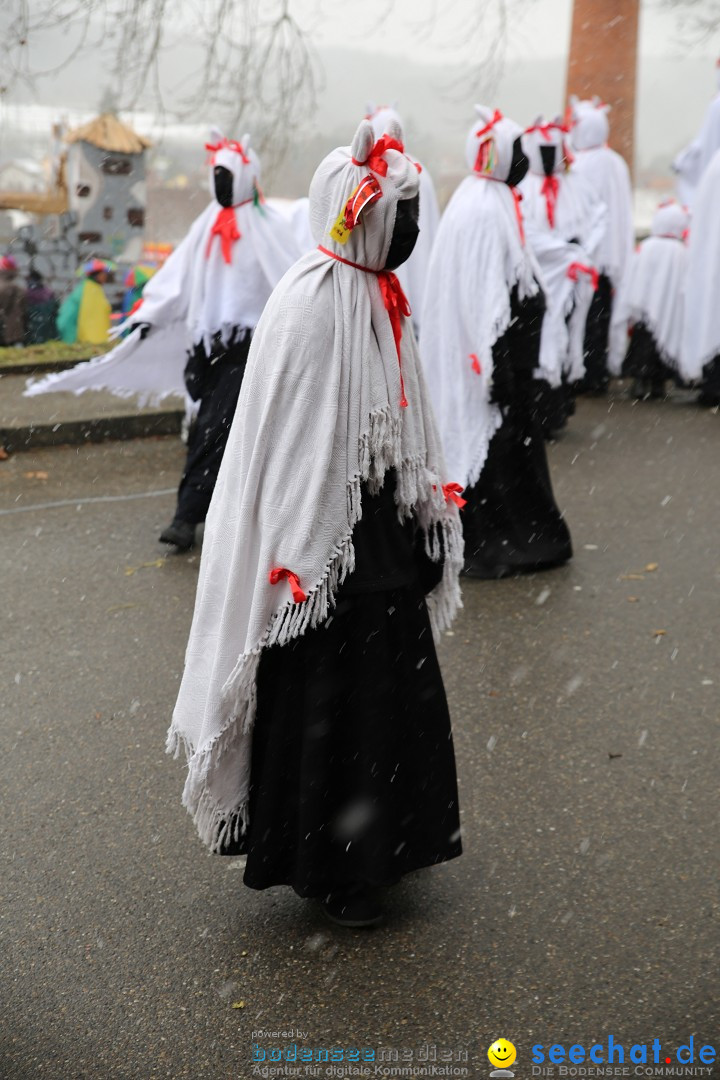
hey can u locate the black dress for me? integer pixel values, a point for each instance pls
(597, 331)
(511, 522)
(215, 381)
(353, 771)
(643, 363)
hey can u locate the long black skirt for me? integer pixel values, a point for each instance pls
(353, 770)
(511, 522)
(644, 363)
(597, 332)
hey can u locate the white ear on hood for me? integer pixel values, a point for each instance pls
(216, 134)
(606, 109)
(370, 108)
(596, 100)
(538, 121)
(363, 141)
(395, 131)
(484, 113)
(245, 141)
(574, 100)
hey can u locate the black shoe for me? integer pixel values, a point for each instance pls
(353, 907)
(179, 533)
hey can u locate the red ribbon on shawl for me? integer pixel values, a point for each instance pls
(280, 573)
(395, 301)
(452, 493)
(375, 160)
(226, 228)
(577, 268)
(546, 128)
(475, 363)
(550, 188)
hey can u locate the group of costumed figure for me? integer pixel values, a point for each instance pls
(348, 476)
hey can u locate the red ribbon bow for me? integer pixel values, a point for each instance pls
(397, 307)
(550, 189)
(577, 268)
(452, 493)
(226, 144)
(279, 573)
(475, 363)
(545, 129)
(226, 228)
(376, 161)
(496, 118)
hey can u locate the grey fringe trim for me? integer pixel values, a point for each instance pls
(419, 490)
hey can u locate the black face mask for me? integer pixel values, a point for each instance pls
(519, 164)
(223, 180)
(405, 233)
(547, 153)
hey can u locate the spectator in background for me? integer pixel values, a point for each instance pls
(41, 309)
(12, 304)
(85, 314)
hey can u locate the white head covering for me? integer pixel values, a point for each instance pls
(319, 413)
(479, 256)
(653, 288)
(701, 335)
(691, 163)
(609, 177)
(207, 286)
(413, 273)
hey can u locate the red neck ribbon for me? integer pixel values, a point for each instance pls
(280, 573)
(395, 301)
(550, 188)
(227, 229)
(517, 199)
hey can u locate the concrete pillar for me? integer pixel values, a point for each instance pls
(603, 61)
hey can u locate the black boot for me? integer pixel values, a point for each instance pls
(354, 907)
(179, 533)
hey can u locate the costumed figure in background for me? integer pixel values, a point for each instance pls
(483, 319)
(691, 163)
(413, 273)
(312, 709)
(135, 281)
(41, 309)
(649, 305)
(700, 353)
(608, 175)
(565, 224)
(198, 313)
(84, 315)
(12, 303)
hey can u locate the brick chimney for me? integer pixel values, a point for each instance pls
(603, 61)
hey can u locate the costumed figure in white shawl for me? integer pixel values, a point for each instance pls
(312, 709)
(193, 328)
(565, 225)
(690, 164)
(413, 273)
(608, 175)
(649, 305)
(481, 345)
(700, 354)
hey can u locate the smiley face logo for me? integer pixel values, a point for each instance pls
(502, 1054)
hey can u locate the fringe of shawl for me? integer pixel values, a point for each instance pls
(379, 450)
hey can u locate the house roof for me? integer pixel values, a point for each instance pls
(108, 133)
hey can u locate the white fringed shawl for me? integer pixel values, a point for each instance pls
(319, 414)
(701, 323)
(653, 289)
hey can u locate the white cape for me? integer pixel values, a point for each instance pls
(701, 334)
(652, 293)
(609, 177)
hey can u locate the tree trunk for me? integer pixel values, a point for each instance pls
(603, 61)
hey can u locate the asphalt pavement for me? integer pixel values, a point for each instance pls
(586, 716)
